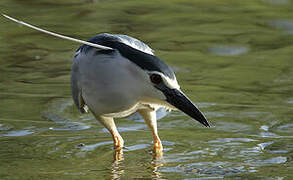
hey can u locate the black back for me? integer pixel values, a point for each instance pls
(142, 59)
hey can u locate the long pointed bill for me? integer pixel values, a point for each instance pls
(180, 101)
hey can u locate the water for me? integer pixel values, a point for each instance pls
(234, 59)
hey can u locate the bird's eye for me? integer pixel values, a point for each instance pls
(156, 79)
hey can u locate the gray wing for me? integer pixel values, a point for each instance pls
(76, 89)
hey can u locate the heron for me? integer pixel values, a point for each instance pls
(114, 76)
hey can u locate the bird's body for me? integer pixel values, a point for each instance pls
(101, 95)
(92, 82)
(128, 78)
(115, 98)
(95, 83)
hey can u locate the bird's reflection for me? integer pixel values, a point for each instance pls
(118, 155)
(117, 167)
(157, 161)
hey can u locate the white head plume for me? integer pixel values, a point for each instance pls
(58, 35)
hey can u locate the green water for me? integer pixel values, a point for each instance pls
(232, 58)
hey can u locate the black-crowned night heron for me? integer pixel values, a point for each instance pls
(128, 78)
(115, 76)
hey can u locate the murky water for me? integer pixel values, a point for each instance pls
(233, 58)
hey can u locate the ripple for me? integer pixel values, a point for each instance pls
(268, 134)
(254, 114)
(136, 147)
(228, 50)
(232, 127)
(277, 147)
(168, 143)
(206, 105)
(262, 146)
(19, 133)
(277, 2)
(284, 24)
(250, 151)
(264, 127)
(216, 114)
(221, 171)
(5, 127)
(219, 177)
(289, 101)
(71, 127)
(212, 170)
(250, 114)
(94, 146)
(225, 140)
(278, 151)
(286, 128)
(196, 152)
(172, 169)
(274, 160)
(170, 159)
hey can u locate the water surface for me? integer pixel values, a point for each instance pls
(233, 59)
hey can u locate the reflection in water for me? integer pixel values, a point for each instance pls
(118, 155)
(157, 162)
(117, 167)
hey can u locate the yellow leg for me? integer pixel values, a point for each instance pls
(150, 118)
(109, 124)
(158, 147)
(118, 141)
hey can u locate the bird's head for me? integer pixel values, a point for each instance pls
(168, 90)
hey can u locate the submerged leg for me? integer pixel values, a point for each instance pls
(109, 124)
(150, 118)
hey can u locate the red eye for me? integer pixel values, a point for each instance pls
(156, 79)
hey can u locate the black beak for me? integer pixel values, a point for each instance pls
(180, 101)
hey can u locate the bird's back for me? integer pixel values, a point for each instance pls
(109, 40)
